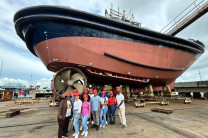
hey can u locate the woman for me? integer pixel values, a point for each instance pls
(112, 107)
(65, 112)
(86, 110)
(103, 109)
(77, 113)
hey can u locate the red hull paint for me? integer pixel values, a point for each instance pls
(85, 50)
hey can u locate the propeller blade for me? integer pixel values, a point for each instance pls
(66, 75)
(79, 87)
(76, 77)
(69, 89)
(59, 85)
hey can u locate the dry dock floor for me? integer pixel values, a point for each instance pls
(40, 121)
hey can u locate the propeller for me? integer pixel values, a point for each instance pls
(68, 79)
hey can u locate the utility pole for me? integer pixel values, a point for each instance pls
(1, 68)
(200, 75)
(30, 81)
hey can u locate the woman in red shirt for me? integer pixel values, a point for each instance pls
(111, 107)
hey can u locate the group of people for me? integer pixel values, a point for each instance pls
(90, 107)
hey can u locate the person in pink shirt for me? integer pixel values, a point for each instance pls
(86, 110)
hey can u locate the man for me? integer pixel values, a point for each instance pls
(72, 97)
(91, 93)
(64, 115)
(106, 95)
(121, 108)
(95, 109)
(85, 92)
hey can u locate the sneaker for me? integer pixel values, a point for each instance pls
(83, 133)
(97, 127)
(106, 122)
(124, 126)
(101, 126)
(81, 127)
(113, 123)
(93, 126)
(110, 122)
(86, 133)
(91, 122)
(88, 122)
(76, 136)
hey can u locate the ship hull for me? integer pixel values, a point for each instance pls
(160, 65)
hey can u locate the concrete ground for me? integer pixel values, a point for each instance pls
(187, 120)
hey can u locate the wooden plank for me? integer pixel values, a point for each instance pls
(161, 110)
(28, 101)
(12, 113)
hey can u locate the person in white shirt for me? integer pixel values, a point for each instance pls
(77, 113)
(121, 108)
(103, 109)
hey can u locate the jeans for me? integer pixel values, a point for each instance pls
(91, 118)
(76, 123)
(84, 122)
(112, 110)
(103, 115)
(95, 115)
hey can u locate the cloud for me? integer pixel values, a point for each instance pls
(42, 82)
(21, 65)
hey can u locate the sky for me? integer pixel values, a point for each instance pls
(19, 64)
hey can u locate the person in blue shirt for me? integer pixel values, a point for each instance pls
(106, 94)
(73, 97)
(95, 109)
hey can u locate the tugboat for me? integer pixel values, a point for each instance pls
(85, 48)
